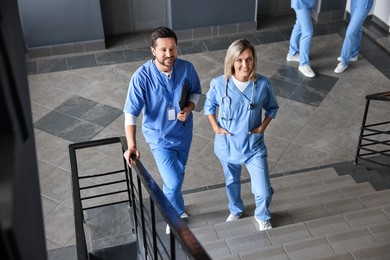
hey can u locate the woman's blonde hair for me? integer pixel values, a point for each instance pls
(232, 54)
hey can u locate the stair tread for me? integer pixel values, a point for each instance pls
(375, 221)
(299, 243)
(216, 210)
(307, 212)
(317, 213)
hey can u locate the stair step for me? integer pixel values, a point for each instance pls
(268, 253)
(332, 198)
(318, 213)
(379, 180)
(373, 199)
(295, 209)
(283, 202)
(278, 252)
(374, 252)
(299, 214)
(285, 196)
(300, 178)
(317, 185)
(376, 220)
(298, 241)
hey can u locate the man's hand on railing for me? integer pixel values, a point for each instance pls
(129, 153)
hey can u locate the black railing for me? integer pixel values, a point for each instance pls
(154, 242)
(151, 209)
(368, 133)
(79, 190)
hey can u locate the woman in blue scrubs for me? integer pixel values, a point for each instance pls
(301, 36)
(353, 36)
(155, 90)
(241, 95)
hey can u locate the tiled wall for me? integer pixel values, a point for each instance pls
(65, 49)
(219, 30)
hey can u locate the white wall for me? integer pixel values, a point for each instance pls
(381, 10)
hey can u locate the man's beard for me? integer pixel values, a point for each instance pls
(164, 63)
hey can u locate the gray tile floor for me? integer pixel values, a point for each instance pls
(80, 98)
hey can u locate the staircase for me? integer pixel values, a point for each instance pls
(318, 214)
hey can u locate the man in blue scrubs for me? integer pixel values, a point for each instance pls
(241, 96)
(301, 36)
(155, 90)
(353, 36)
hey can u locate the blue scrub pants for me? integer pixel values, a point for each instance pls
(353, 36)
(260, 185)
(301, 36)
(171, 164)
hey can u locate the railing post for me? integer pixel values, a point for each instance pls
(82, 251)
(154, 232)
(362, 130)
(141, 205)
(173, 250)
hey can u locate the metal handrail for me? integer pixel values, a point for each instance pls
(384, 96)
(179, 230)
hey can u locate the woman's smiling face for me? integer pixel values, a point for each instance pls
(243, 65)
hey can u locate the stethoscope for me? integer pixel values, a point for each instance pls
(228, 100)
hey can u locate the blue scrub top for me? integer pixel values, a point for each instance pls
(153, 93)
(299, 4)
(239, 119)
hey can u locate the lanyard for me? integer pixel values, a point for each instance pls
(167, 84)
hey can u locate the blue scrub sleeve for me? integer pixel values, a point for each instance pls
(135, 97)
(271, 103)
(211, 104)
(195, 82)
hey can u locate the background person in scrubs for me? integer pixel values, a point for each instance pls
(154, 90)
(301, 36)
(353, 36)
(241, 95)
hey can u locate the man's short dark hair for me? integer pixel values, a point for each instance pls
(162, 32)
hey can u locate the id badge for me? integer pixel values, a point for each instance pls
(171, 114)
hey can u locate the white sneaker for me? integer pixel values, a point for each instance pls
(168, 229)
(233, 217)
(184, 215)
(352, 59)
(264, 225)
(307, 71)
(341, 67)
(292, 58)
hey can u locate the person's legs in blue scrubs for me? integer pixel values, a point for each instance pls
(171, 165)
(300, 40)
(261, 186)
(353, 36)
(232, 174)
